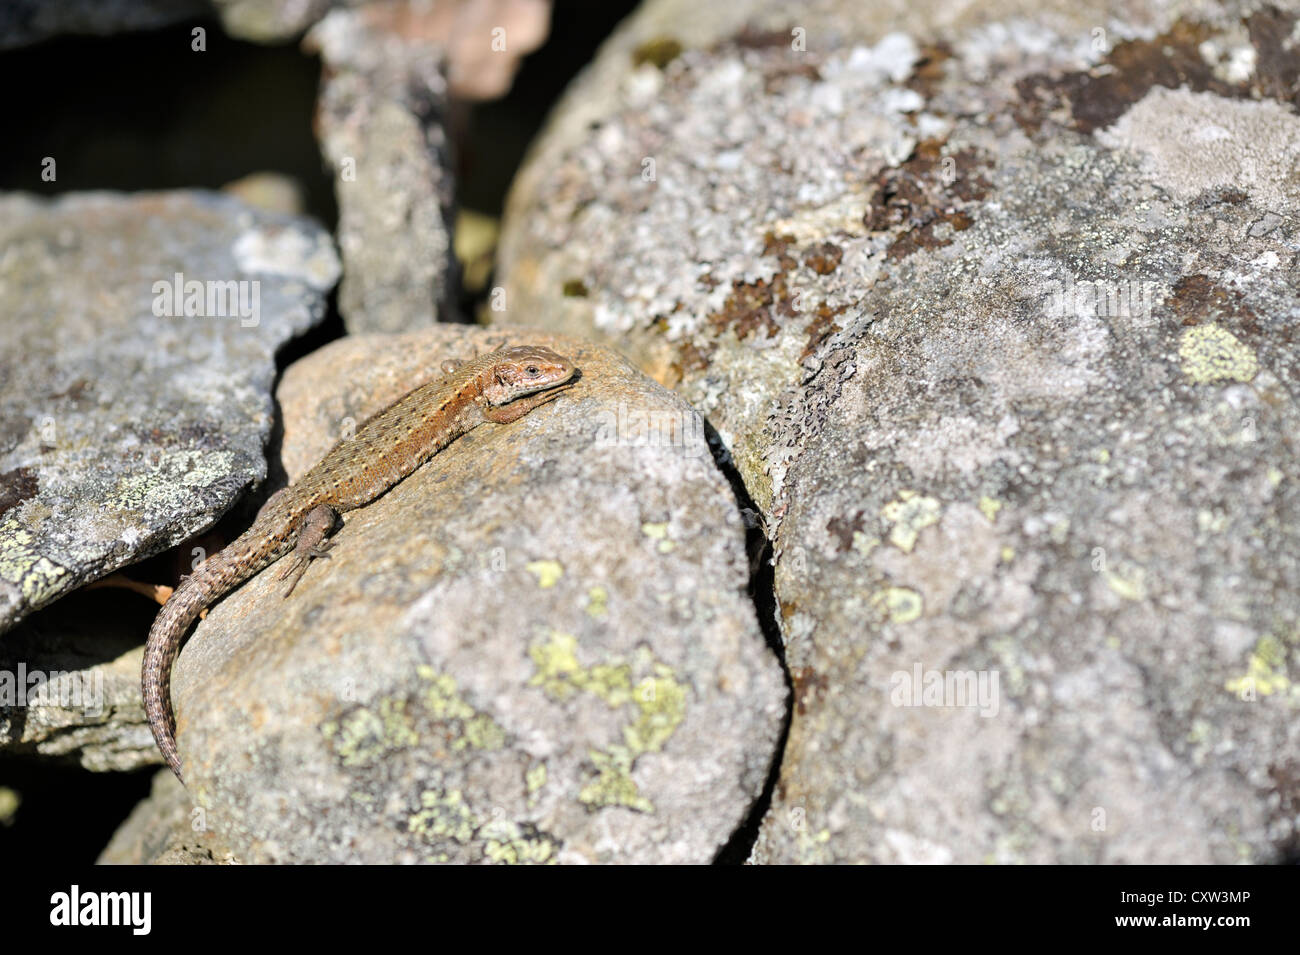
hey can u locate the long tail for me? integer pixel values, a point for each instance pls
(160, 653)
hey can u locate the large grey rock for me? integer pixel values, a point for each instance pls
(995, 307)
(536, 648)
(123, 431)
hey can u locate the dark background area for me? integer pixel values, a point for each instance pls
(132, 112)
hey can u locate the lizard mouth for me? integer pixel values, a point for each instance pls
(558, 386)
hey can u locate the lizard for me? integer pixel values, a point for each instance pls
(500, 387)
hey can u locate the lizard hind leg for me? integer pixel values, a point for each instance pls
(312, 543)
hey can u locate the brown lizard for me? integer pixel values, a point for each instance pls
(500, 387)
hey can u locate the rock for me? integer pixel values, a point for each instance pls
(482, 41)
(272, 191)
(125, 431)
(166, 829)
(536, 648)
(389, 69)
(994, 308)
(23, 22)
(70, 684)
(380, 122)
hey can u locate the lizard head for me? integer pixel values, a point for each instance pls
(524, 370)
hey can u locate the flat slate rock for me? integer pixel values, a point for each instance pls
(126, 425)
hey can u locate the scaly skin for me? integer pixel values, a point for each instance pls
(498, 387)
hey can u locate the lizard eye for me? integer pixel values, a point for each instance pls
(532, 371)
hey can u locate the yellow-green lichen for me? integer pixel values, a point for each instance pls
(481, 732)
(557, 664)
(863, 544)
(444, 703)
(1265, 671)
(1128, 580)
(597, 602)
(898, 604)
(661, 706)
(365, 734)
(369, 732)
(614, 785)
(989, 507)
(520, 851)
(443, 816)
(1212, 353)
(535, 778)
(447, 816)
(659, 532)
(647, 684)
(909, 515)
(547, 572)
(38, 577)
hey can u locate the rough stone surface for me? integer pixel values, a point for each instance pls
(380, 122)
(166, 829)
(995, 306)
(123, 432)
(70, 684)
(536, 648)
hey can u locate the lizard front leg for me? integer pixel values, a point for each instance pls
(311, 543)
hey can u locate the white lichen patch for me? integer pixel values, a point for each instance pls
(1194, 142)
(287, 251)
